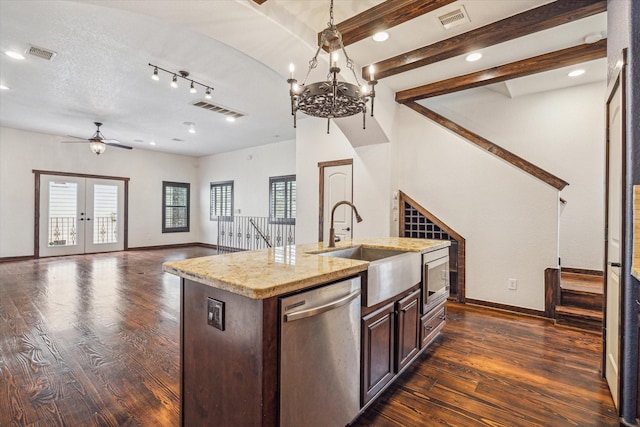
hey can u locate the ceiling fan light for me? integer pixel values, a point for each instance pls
(98, 147)
(193, 88)
(174, 81)
(155, 74)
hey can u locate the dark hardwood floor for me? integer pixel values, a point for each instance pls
(94, 340)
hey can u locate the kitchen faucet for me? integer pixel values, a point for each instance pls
(332, 233)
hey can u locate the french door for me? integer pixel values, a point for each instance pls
(80, 215)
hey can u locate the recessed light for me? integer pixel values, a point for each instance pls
(473, 56)
(593, 37)
(152, 143)
(14, 54)
(3, 87)
(381, 36)
(576, 73)
(231, 119)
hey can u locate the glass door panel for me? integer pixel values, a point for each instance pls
(105, 202)
(62, 215)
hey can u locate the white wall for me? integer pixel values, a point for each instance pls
(250, 170)
(562, 131)
(21, 152)
(371, 178)
(509, 219)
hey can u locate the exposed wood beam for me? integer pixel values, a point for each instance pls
(384, 16)
(522, 24)
(537, 64)
(489, 146)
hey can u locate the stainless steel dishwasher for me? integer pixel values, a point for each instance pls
(320, 356)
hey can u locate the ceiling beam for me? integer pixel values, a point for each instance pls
(522, 24)
(496, 150)
(384, 16)
(537, 64)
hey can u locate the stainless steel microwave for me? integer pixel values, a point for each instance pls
(435, 277)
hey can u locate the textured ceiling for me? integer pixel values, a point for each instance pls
(241, 49)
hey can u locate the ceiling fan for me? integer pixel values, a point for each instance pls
(99, 142)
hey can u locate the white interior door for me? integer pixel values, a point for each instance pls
(338, 185)
(80, 215)
(614, 235)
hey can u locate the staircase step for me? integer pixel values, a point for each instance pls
(582, 282)
(581, 299)
(581, 318)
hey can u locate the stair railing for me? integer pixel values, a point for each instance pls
(246, 233)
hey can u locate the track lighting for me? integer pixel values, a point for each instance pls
(183, 75)
(192, 128)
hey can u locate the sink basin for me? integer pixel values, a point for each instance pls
(390, 272)
(363, 254)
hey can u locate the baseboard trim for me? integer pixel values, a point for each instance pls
(585, 271)
(173, 246)
(508, 308)
(17, 258)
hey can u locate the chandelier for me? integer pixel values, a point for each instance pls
(331, 98)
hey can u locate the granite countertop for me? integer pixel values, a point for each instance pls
(271, 272)
(635, 267)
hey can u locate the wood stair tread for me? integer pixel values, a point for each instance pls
(579, 312)
(582, 283)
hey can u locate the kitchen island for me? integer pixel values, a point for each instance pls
(230, 324)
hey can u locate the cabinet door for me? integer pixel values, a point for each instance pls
(378, 340)
(408, 331)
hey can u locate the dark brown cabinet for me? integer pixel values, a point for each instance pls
(378, 342)
(408, 332)
(431, 323)
(390, 341)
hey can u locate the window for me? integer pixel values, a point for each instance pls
(282, 199)
(221, 201)
(175, 207)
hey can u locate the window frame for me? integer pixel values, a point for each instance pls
(185, 185)
(272, 218)
(212, 213)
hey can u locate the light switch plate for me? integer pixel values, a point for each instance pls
(215, 313)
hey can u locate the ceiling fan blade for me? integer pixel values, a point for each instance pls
(74, 142)
(76, 137)
(117, 145)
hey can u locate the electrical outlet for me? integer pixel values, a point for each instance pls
(513, 284)
(215, 313)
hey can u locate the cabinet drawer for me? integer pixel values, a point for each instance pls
(431, 323)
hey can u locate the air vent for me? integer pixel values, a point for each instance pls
(218, 109)
(454, 18)
(41, 52)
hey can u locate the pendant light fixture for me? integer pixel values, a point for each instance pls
(331, 98)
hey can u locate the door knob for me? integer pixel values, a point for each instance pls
(347, 229)
(614, 264)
